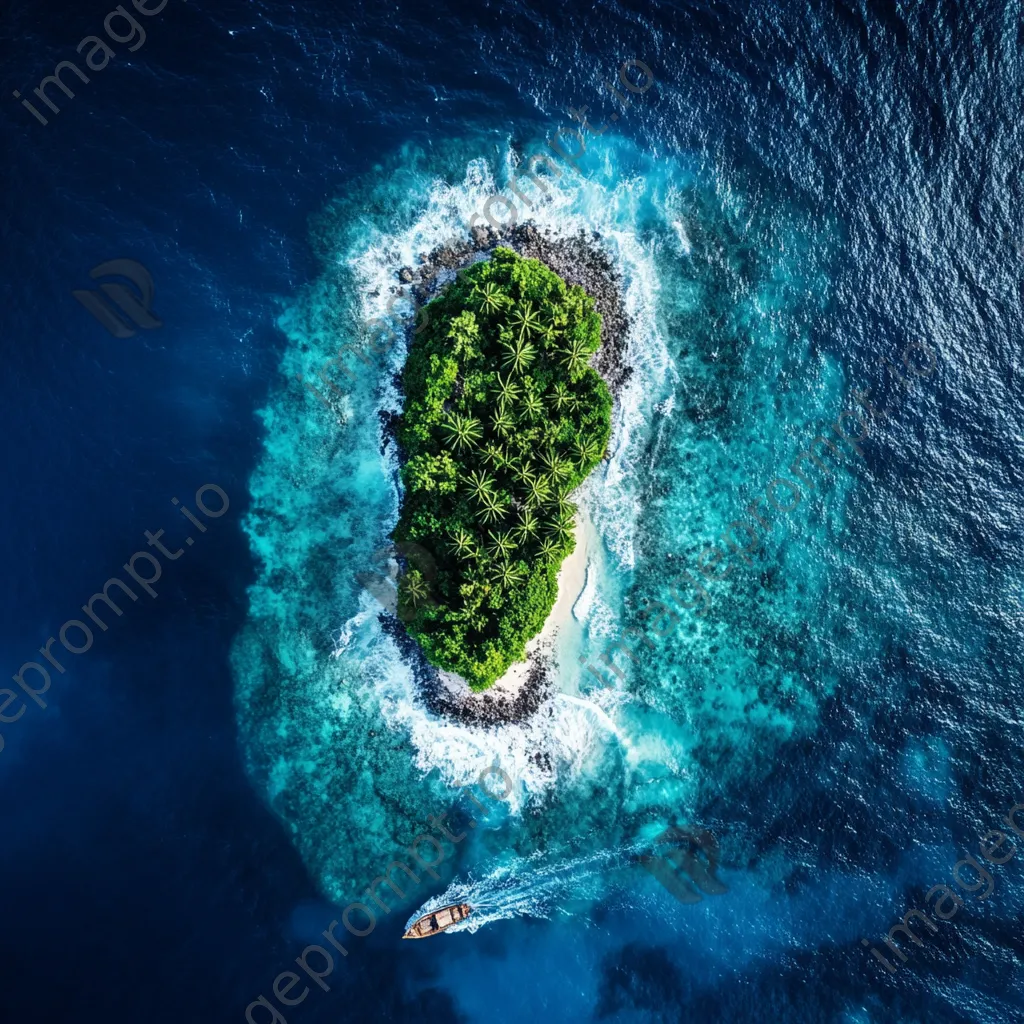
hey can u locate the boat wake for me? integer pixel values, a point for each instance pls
(529, 888)
(324, 693)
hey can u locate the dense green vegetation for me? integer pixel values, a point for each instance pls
(503, 419)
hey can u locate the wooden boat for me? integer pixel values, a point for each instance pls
(436, 922)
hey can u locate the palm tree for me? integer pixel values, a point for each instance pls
(503, 423)
(480, 485)
(491, 298)
(462, 431)
(557, 467)
(494, 455)
(561, 507)
(560, 396)
(533, 406)
(586, 451)
(506, 575)
(548, 459)
(414, 587)
(507, 390)
(527, 527)
(491, 508)
(549, 333)
(462, 542)
(513, 462)
(547, 549)
(538, 490)
(527, 319)
(574, 357)
(518, 355)
(501, 543)
(559, 528)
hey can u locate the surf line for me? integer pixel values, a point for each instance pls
(378, 347)
(78, 625)
(287, 980)
(555, 144)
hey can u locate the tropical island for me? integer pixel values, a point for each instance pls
(503, 419)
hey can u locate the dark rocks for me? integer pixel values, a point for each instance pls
(389, 426)
(580, 260)
(491, 708)
(577, 259)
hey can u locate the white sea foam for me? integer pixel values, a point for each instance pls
(599, 714)
(325, 488)
(585, 602)
(352, 626)
(573, 730)
(684, 239)
(459, 752)
(535, 886)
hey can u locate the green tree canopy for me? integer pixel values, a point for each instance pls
(503, 419)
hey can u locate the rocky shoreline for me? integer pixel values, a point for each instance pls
(577, 259)
(493, 707)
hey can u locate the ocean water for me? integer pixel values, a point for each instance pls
(806, 194)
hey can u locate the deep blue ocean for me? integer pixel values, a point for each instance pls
(811, 199)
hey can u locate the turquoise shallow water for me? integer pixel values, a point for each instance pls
(325, 702)
(799, 711)
(807, 189)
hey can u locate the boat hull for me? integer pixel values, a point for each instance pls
(438, 921)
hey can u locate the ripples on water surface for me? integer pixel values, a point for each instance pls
(806, 190)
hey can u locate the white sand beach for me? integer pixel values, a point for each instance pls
(571, 578)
